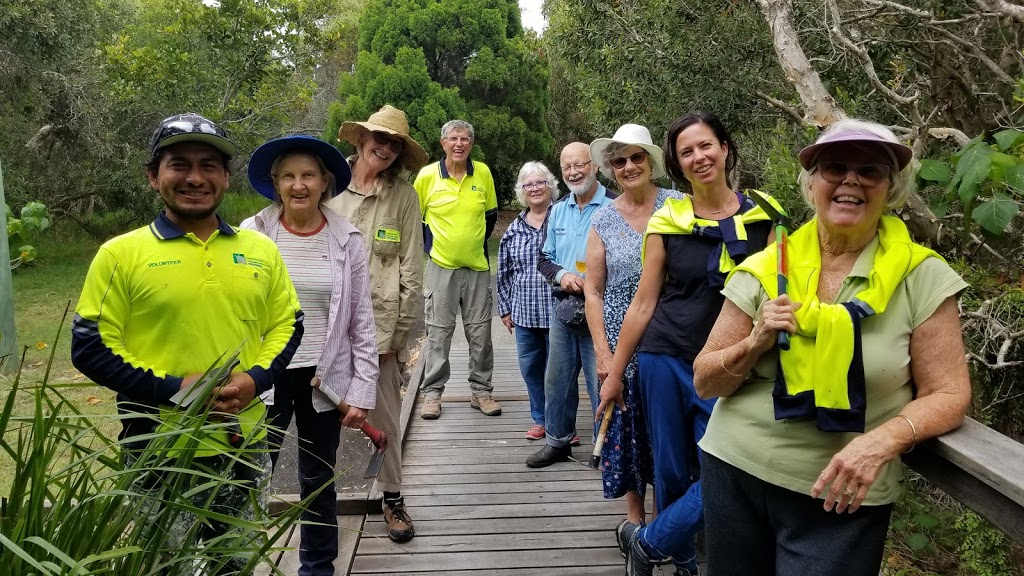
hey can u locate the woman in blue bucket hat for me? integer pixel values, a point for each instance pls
(326, 260)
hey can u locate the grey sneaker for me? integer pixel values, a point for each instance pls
(624, 533)
(486, 404)
(638, 561)
(431, 409)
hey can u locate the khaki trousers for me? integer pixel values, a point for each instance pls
(446, 293)
(385, 417)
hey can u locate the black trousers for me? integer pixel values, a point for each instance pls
(754, 528)
(319, 437)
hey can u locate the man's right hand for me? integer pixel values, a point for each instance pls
(571, 283)
(507, 321)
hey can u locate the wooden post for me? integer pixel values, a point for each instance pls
(8, 341)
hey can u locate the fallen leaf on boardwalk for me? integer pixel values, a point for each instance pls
(93, 400)
(41, 345)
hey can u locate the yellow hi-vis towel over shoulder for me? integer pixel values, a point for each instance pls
(677, 217)
(822, 374)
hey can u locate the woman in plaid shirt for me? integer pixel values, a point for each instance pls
(524, 298)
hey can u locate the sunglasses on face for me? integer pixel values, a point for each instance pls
(535, 185)
(395, 144)
(867, 174)
(637, 159)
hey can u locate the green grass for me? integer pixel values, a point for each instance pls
(42, 290)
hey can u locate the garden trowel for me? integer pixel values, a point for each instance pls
(377, 438)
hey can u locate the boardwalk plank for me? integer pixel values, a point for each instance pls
(432, 562)
(600, 526)
(489, 543)
(516, 497)
(503, 487)
(551, 474)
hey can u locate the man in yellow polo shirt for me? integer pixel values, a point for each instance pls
(459, 207)
(160, 305)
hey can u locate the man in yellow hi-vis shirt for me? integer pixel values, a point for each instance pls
(460, 208)
(160, 305)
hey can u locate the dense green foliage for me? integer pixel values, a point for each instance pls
(22, 231)
(440, 60)
(85, 83)
(650, 62)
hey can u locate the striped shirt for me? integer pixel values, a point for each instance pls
(522, 291)
(306, 255)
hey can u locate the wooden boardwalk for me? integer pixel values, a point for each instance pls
(478, 509)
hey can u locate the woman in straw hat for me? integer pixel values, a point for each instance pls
(386, 209)
(613, 272)
(327, 263)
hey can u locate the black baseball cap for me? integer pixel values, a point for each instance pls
(190, 127)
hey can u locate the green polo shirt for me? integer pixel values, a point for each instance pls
(792, 453)
(455, 213)
(159, 304)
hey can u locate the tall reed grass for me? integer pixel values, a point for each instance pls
(75, 507)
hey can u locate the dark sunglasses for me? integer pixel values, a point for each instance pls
(188, 124)
(395, 144)
(637, 159)
(867, 174)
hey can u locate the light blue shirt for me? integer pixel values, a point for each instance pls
(567, 229)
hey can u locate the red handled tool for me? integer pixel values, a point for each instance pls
(378, 438)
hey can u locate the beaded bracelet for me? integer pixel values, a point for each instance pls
(912, 429)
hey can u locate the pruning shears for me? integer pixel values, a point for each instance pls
(782, 225)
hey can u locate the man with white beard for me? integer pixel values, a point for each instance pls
(563, 264)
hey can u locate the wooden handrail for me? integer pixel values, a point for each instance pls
(982, 469)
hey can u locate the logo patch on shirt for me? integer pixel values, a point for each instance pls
(388, 235)
(239, 259)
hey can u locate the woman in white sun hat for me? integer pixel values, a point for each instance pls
(385, 208)
(632, 160)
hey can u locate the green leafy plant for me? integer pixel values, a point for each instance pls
(984, 550)
(74, 504)
(21, 231)
(985, 177)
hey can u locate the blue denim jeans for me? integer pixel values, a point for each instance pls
(676, 420)
(532, 349)
(319, 437)
(569, 351)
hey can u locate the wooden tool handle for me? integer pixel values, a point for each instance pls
(606, 420)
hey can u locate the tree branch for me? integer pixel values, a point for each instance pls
(776, 103)
(1002, 7)
(821, 109)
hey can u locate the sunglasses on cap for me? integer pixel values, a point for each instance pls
(637, 159)
(868, 174)
(190, 127)
(396, 144)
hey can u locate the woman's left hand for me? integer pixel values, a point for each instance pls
(354, 418)
(851, 473)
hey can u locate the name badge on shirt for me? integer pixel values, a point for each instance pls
(388, 235)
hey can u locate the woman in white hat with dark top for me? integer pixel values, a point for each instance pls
(327, 263)
(385, 208)
(613, 273)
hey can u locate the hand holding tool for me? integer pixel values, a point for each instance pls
(602, 433)
(782, 223)
(378, 438)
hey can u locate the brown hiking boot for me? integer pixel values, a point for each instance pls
(400, 527)
(486, 404)
(431, 409)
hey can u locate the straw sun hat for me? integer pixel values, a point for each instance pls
(389, 120)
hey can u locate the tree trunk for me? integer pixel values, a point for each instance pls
(820, 109)
(8, 337)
